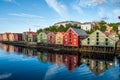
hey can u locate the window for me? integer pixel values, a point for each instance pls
(106, 39)
(75, 40)
(97, 34)
(88, 42)
(97, 43)
(97, 39)
(88, 39)
(74, 36)
(106, 43)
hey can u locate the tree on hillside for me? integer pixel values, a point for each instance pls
(102, 22)
(103, 28)
(39, 30)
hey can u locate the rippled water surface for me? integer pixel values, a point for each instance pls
(26, 64)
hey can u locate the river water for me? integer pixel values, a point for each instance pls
(18, 63)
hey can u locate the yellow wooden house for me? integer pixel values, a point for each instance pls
(59, 38)
(6, 36)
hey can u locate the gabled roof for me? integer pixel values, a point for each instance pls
(80, 32)
(33, 33)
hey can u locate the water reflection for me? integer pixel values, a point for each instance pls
(97, 63)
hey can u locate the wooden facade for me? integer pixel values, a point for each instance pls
(73, 37)
(51, 38)
(98, 38)
(6, 36)
(42, 37)
(15, 37)
(59, 38)
(30, 36)
(1, 37)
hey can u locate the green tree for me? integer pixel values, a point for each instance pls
(103, 28)
(39, 30)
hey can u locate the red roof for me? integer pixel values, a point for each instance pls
(33, 33)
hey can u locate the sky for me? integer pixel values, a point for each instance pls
(20, 15)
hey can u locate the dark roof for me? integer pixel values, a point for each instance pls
(80, 32)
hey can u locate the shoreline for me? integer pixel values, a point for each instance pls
(35, 45)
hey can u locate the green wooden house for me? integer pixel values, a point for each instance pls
(98, 38)
(42, 37)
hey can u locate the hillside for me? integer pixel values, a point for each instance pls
(102, 25)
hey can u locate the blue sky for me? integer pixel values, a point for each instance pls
(20, 15)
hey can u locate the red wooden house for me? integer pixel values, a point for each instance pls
(51, 38)
(18, 37)
(73, 37)
(15, 37)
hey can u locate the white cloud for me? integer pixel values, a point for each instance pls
(4, 76)
(25, 15)
(58, 7)
(91, 3)
(116, 12)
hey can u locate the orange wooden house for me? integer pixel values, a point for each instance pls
(1, 37)
(6, 36)
(59, 38)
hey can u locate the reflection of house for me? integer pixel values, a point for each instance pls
(6, 36)
(51, 38)
(52, 57)
(11, 48)
(43, 57)
(29, 52)
(87, 26)
(59, 38)
(29, 36)
(15, 37)
(59, 59)
(1, 37)
(70, 61)
(73, 37)
(98, 38)
(42, 37)
(97, 65)
(5, 47)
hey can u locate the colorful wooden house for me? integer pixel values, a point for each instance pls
(59, 38)
(113, 35)
(6, 36)
(42, 37)
(51, 38)
(1, 37)
(98, 38)
(30, 36)
(15, 37)
(74, 36)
